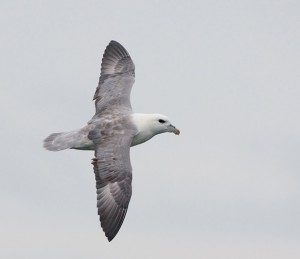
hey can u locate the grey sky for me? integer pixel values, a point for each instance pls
(227, 75)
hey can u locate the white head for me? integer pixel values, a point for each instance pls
(161, 123)
(154, 123)
(149, 125)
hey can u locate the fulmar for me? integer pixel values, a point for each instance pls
(110, 133)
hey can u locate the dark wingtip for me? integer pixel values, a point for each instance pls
(115, 60)
(113, 54)
(109, 238)
(113, 228)
(110, 235)
(114, 42)
(115, 50)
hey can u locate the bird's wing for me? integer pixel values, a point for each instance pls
(112, 170)
(116, 79)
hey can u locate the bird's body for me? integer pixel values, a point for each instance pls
(110, 133)
(78, 139)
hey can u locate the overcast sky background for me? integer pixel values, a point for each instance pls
(227, 75)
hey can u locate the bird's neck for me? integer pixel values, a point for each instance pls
(144, 130)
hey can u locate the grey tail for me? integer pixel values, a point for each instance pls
(58, 141)
(65, 140)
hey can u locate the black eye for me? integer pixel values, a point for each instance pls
(161, 121)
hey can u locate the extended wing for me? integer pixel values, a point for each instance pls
(116, 79)
(113, 175)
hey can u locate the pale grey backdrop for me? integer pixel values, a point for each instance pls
(227, 75)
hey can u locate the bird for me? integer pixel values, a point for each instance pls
(110, 133)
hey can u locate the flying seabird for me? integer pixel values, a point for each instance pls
(110, 133)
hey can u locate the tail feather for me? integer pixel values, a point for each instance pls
(59, 141)
(76, 139)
